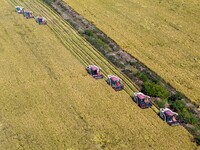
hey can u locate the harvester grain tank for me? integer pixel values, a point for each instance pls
(142, 100)
(94, 71)
(115, 82)
(19, 9)
(169, 116)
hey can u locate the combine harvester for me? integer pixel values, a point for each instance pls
(115, 82)
(169, 116)
(19, 9)
(94, 71)
(142, 100)
(41, 20)
(28, 14)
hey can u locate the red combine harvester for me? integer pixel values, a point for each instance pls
(41, 20)
(28, 14)
(94, 71)
(142, 100)
(19, 9)
(169, 116)
(115, 82)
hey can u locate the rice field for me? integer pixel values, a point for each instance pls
(48, 101)
(164, 35)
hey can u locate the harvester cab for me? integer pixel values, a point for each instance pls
(169, 116)
(94, 71)
(28, 14)
(19, 9)
(41, 20)
(142, 100)
(115, 82)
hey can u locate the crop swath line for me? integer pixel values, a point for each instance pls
(79, 47)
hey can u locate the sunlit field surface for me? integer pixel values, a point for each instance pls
(48, 101)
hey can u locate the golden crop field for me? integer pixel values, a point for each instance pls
(164, 35)
(48, 101)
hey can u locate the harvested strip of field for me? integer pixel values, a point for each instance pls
(164, 35)
(49, 102)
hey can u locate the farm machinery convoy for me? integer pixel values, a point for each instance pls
(29, 14)
(142, 100)
(113, 81)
